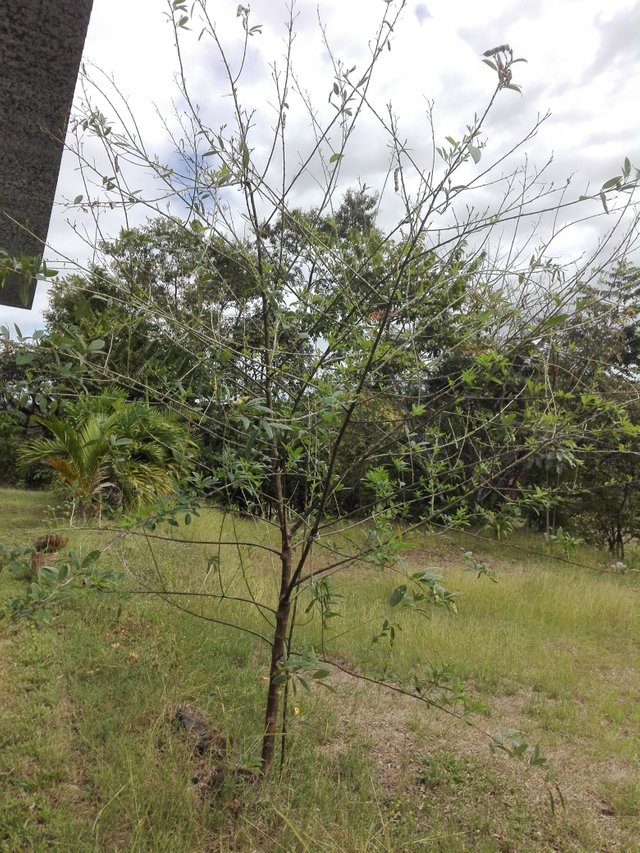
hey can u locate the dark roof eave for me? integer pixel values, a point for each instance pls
(40, 51)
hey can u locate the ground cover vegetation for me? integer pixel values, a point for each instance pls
(340, 380)
(92, 757)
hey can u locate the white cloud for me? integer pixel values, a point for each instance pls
(581, 65)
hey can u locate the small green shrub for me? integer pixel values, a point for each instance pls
(17, 558)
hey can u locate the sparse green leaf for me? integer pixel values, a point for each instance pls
(90, 558)
(321, 673)
(612, 182)
(397, 595)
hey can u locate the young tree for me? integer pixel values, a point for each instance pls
(347, 377)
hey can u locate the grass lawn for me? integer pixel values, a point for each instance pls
(21, 513)
(91, 758)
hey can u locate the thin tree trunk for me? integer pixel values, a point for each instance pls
(278, 653)
(619, 540)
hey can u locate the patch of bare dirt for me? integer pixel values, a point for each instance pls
(401, 733)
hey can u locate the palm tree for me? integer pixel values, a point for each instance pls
(106, 445)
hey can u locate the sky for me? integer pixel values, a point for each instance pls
(583, 66)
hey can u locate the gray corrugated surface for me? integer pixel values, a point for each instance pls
(41, 45)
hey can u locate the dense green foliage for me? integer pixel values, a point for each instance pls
(107, 450)
(10, 437)
(476, 414)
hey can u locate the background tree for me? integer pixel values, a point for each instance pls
(26, 390)
(190, 281)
